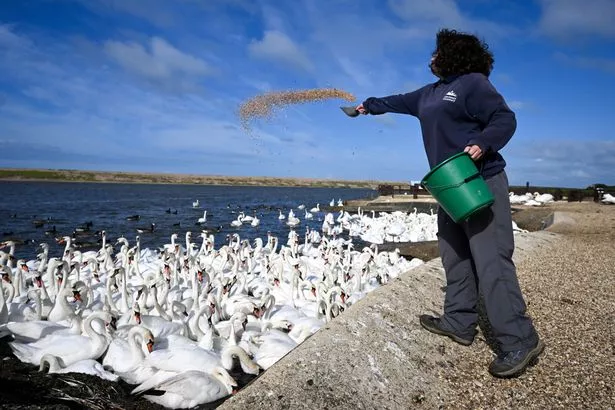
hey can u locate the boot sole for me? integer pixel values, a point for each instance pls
(530, 360)
(452, 336)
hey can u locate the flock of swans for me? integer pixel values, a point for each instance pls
(395, 226)
(535, 199)
(175, 319)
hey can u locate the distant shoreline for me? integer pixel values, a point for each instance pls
(64, 175)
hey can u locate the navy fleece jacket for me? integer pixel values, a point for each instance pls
(456, 112)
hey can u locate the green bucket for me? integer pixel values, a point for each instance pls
(458, 187)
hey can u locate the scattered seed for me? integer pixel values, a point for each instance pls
(264, 105)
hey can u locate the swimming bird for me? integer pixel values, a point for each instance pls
(145, 229)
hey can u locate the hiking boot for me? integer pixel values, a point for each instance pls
(513, 364)
(435, 325)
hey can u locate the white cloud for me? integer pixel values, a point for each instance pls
(356, 71)
(565, 163)
(516, 105)
(277, 46)
(439, 11)
(274, 19)
(431, 15)
(603, 64)
(156, 12)
(10, 40)
(91, 114)
(161, 61)
(568, 19)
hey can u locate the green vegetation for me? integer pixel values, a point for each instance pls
(31, 174)
(66, 175)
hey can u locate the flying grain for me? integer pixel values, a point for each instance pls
(264, 105)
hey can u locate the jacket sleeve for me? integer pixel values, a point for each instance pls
(400, 104)
(487, 105)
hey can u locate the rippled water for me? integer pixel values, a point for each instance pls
(66, 206)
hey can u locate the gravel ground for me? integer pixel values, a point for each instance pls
(568, 288)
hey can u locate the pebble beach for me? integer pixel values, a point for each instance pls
(568, 286)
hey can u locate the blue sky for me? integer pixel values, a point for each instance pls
(154, 85)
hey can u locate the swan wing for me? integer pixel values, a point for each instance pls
(120, 357)
(70, 348)
(189, 389)
(92, 367)
(34, 330)
(184, 358)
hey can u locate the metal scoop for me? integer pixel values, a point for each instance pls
(350, 111)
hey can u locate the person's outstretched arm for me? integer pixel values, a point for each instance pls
(398, 104)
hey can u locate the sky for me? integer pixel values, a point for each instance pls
(155, 85)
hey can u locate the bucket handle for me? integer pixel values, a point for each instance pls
(457, 185)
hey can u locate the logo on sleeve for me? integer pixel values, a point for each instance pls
(450, 96)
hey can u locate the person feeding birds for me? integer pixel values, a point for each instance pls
(463, 112)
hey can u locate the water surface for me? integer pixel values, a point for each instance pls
(66, 206)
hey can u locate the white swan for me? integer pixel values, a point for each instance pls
(124, 355)
(69, 348)
(239, 221)
(37, 329)
(87, 366)
(272, 346)
(61, 309)
(189, 389)
(4, 310)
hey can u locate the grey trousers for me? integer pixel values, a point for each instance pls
(477, 256)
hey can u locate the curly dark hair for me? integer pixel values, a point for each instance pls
(459, 53)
